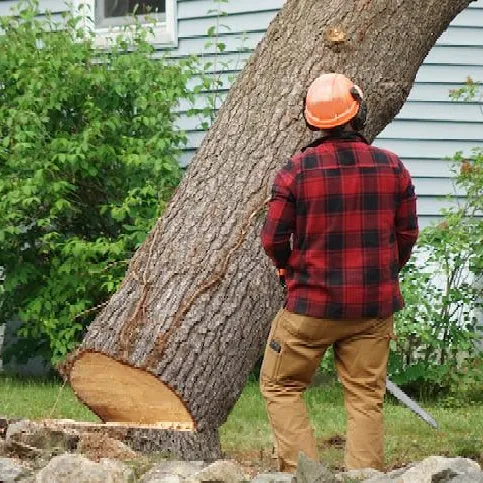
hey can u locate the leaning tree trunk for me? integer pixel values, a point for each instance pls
(176, 342)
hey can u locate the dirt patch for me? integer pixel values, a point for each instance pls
(335, 441)
(254, 462)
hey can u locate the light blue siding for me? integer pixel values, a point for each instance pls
(471, 17)
(201, 8)
(409, 129)
(54, 6)
(462, 36)
(252, 21)
(448, 54)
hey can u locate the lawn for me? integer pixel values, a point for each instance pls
(408, 438)
(246, 435)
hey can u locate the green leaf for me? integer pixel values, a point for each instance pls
(86, 165)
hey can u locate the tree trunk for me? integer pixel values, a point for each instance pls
(176, 343)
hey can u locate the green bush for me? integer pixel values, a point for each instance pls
(436, 352)
(88, 159)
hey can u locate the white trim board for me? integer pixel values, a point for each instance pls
(164, 32)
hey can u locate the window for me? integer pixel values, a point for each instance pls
(108, 16)
(117, 12)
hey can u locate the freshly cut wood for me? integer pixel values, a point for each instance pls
(118, 392)
(195, 306)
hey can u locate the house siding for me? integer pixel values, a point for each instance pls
(53, 6)
(430, 127)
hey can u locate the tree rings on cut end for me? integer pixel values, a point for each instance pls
(120, 393)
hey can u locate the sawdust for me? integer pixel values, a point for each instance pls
(96, 446)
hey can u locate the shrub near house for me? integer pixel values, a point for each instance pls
(88, 153)
(438, 350)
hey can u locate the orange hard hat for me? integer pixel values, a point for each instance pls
(330, 102)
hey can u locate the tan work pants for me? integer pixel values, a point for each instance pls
(294, 349)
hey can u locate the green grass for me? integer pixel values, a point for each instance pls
(408, 438)
(40, 399)
(247, 437)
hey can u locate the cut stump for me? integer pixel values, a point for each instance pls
(170, 440)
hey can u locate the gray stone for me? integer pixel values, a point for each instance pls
(168, 479)
(24, 437)
(424, 471)
(399, 471)
(390, 477)
(468, 478)
(77, 469)
(219, 471)
(382, 479)
(29, 479)
(10, 470)
(117, 469)
(444, 476)
(3, 448)
(309, 471)
(360, 475)
(176, 470)
(20, 427)
(274, 478)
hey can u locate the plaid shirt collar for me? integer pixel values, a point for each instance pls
(341, 136)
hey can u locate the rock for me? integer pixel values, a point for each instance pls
(430, 467)
(392, 476)
(444, 476)
(219, 471)
(435, 469)
(274, 478)
(10, 470)
(309, 471)
(4, 423)
(24, 451)
(24, 436)
(18, 427)
(3, 448)
(382, 479)
(172, 471)
(118, 469)
(77, 469)
(169, 479)
(468, 478)
(359, 475)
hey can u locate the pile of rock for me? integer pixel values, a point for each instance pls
(32, 455)
(76, 468)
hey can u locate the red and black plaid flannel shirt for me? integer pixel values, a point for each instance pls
(342, 222)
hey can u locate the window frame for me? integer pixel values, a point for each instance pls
(164, 31)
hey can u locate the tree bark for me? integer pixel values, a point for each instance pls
(193, 312)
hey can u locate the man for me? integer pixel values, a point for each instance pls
(340, 226)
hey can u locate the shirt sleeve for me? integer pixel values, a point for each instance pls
(280, 222)
(406, 218)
